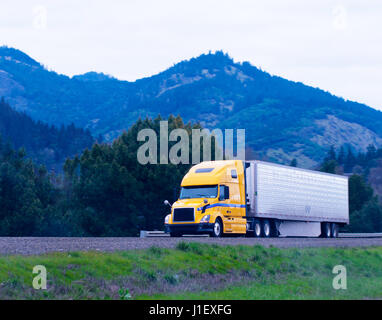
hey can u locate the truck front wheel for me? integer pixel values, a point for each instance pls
(218, 229)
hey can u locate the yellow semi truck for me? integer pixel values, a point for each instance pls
(260, 199)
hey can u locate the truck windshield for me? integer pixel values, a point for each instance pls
(198, 192)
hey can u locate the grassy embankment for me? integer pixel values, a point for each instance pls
(196, 271)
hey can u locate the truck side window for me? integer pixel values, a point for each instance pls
(226, 192)
(223, 193)
(234, 174)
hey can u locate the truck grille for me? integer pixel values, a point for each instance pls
(183, 214)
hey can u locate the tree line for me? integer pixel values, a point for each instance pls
(364, 205)
(106, 192)
(102, 192)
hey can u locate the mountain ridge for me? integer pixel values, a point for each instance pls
(93, 76)
(283, 119)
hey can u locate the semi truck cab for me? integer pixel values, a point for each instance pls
(211, 201)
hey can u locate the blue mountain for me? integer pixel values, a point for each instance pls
(283, 119)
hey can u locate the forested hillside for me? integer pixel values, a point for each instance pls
(45, 144)
(103, 192)
(112, 194)
(106, 192)
(283, 119)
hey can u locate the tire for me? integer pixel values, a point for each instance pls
(218, 229)
(257, 228)
(326, 230)
(249, 234)
(334, 228)
(266, 228)
(175, 234)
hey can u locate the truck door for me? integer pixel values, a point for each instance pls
(224, 209)
(236, 211)
(237, 199)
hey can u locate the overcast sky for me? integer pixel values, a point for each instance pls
(334, 45)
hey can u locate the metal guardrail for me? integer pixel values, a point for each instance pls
(153, 234)
(360, 235)
(160, 234)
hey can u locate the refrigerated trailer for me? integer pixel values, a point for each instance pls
(299, 200)
(260, 199)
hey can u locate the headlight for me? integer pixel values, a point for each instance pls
(167, 219)
(205, 218)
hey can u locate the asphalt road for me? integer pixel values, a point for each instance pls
(32, 246)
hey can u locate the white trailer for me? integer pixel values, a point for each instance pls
(298, 202)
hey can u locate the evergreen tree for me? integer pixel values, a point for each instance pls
(331, 155)
(329, 166)
(367, 219)
(26, 194)
(350, 160)
(113, 194)
(371, 152)
(341, 156)
(359, 193)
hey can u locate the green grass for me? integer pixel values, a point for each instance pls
(197, 271)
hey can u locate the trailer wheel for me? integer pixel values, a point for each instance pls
(266, 228)
(325, 230)
(334, 230)
(257, 228)
(218, 229)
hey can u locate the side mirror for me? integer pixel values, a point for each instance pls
(206, 204)
(167, 203)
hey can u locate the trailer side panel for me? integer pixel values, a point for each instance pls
(289, 193)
